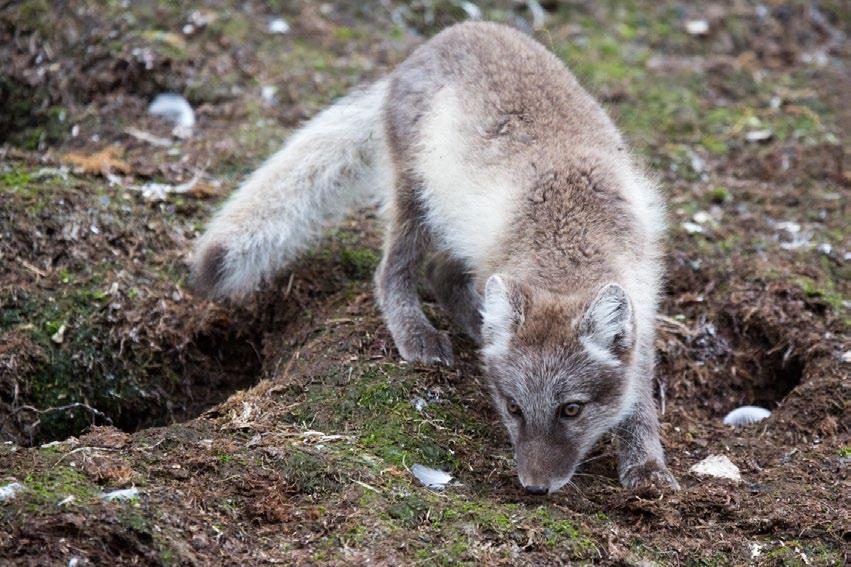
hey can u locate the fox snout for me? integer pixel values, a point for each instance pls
(544, 468)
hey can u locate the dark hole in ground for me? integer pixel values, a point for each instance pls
(724, 355)
(175, 387)
(160, 361)
(715, 367)
(216, 364)
(763, 368)
(27, 118)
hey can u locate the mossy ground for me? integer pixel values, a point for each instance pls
(306, 459)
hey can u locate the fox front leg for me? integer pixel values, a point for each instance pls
(641, 459)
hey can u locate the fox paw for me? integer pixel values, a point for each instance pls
(427, 345)
(649, 476)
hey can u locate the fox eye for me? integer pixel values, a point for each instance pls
(514, 408)
(570, 410)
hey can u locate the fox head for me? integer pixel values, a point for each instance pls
(558, 368)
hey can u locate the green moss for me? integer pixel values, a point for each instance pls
(798, 554)
(232, 25)
(345, 33)
(561, 532)
(720, 195)
(311, 473)
(410, 511)
(15, 179)
(661, 110)
(601, 61)
(46, 488)
(825, 290)
(33, 15)
(714, 144)
(375, 406)
(359, 263)
(487, 517)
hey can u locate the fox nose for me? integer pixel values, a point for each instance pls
(536, 490)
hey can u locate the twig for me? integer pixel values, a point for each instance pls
(367, 486)
(95, 411)
(78, 449)
(33, 269)
(289, 286)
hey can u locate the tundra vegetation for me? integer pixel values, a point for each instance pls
(284, 430)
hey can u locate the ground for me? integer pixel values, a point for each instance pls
(283, 431)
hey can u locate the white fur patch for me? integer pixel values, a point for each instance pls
(497, 317)
(469, 203)
(599, 354)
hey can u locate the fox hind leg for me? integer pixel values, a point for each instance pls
(406, 242)
(453, 286)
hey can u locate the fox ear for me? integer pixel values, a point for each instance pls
(607, 329)
(502, 313)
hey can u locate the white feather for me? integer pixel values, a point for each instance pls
(121, 495)
(431, 478)
(746, 415)
(10, 490)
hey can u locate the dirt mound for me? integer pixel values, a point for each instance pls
(283, 430)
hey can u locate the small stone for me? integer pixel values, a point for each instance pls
(176, 109)
(825, 248)
(279, 26)
(718, 466)
(59, 336)
(692, 228)
(697, 27)
(268, 94)
(701, 217)
(759, 135)
(173, 107)
(789, 226)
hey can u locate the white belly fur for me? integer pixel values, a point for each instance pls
(468, 204)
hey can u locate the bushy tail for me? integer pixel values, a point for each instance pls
(338, 158)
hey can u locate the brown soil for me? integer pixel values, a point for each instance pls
(283, 431)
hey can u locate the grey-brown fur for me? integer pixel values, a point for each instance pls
(453, 286)
(558, 249)
(407, 241)
(542, 233)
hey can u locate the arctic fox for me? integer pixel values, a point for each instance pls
(538, 232)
